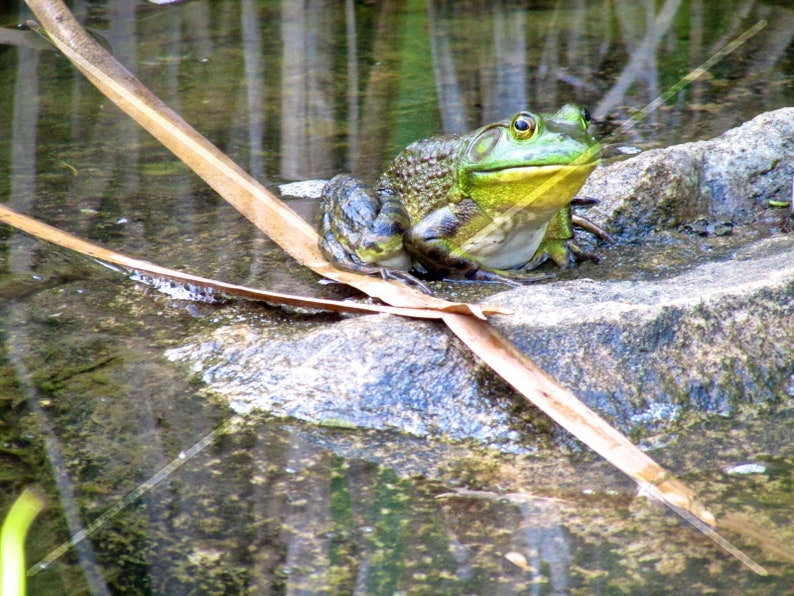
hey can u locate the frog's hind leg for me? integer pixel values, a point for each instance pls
(362, 231)
(359, 230)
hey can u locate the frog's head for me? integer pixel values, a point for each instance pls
(531, 161)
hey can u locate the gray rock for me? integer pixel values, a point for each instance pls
(712, 337)
(302, 189)
(379, 372)
(730, 178)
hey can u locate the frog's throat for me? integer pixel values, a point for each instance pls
(537, 187)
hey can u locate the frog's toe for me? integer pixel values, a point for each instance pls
(406, 278)
(509, 278)
(579, 255)
(558, 251)
(563, 253)
(593, 228)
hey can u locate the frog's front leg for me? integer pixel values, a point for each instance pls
(362, 231)
(435, 243)
(558, 243)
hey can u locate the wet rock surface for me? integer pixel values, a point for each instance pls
(710, 334)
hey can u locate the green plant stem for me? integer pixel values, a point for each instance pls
(12, 542)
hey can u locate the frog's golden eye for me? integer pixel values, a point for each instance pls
(523, 126)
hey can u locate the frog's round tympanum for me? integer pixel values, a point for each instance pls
(488, 205)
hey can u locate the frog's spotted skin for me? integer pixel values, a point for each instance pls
(490, 204)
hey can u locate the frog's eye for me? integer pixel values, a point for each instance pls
(523, 126)
(586, 117)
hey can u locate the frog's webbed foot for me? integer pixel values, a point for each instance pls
(559, 244)
(578, 255)
(563, 252)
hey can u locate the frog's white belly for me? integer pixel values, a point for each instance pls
(508, 241)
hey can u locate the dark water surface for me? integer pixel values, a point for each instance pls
(180, 496)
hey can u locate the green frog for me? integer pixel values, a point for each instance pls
(488, 205)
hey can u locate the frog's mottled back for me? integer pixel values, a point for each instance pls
(424, 173)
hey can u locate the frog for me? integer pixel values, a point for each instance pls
(490, 205)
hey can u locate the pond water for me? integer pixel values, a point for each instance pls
(168, 492)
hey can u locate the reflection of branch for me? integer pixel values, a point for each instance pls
(254, 84)
(467, 493)
(740, 15)
(776, 42)
(686, 80)
(508, 87)
(642, 57)
(22, 39)
(352, 85)
(306, 39)
(448, 89)
(381, 87)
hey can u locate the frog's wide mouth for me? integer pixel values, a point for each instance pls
(543, 172)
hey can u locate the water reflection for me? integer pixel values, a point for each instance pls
(304, 90)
